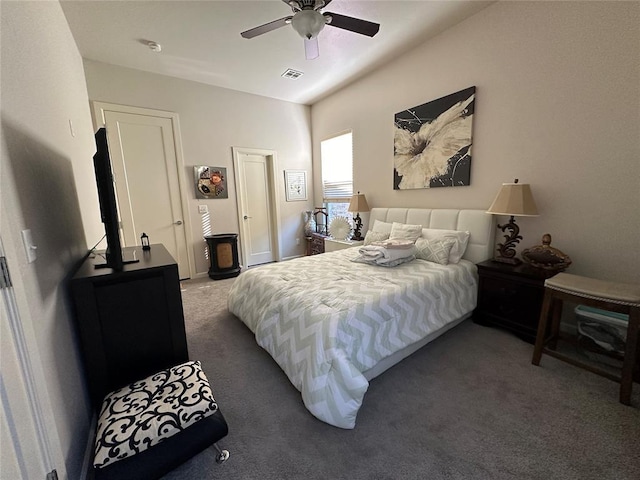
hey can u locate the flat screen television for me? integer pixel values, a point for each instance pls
(108, 204)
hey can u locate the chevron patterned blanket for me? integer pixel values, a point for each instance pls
(325, 319)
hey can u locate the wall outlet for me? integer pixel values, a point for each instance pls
(297, 241)
(203, 209)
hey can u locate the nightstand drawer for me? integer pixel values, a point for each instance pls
(511, 301)
(510, 297)
(315, 244)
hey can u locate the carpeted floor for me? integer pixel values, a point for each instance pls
(467, 406)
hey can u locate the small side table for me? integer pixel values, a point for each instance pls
(315, 243)
(331, 244)
(510, 297)
(223, 255)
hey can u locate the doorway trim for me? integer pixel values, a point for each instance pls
(98, 110)
(27, 414)
(272, 188)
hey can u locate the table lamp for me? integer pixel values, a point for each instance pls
(358, 204)
(514, 199)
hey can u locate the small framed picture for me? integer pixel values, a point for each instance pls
(295, 185)
(211, 182)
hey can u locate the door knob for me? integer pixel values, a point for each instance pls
(246, 216)
(179, 222)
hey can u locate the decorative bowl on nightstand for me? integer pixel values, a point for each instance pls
(546, 257)
(340, 228)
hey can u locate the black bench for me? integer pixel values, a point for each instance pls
(148, 428)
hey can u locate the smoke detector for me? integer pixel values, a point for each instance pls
(154, 46)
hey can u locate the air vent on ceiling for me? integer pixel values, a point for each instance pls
(292, 74)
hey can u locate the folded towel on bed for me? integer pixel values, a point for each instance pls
(394, 244)
(376, 255)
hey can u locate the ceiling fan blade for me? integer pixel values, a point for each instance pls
(356, 25)
(267, 27)
(311, 49)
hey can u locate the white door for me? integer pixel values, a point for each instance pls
(145, 166)
(26, 450)
(257, 205)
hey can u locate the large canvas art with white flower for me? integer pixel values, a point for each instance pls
(432, 143)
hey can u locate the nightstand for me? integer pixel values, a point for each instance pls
(510, 297)
(315, 243)
(331, 244)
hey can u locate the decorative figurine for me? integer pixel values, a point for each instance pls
(145, 242)
(309, 223)
(546, 257)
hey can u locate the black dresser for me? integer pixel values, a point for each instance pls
(130, 322)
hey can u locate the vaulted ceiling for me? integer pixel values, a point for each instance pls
(200, 40)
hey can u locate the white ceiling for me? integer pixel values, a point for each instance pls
(201, 40)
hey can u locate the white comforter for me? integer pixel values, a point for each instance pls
(326, 319)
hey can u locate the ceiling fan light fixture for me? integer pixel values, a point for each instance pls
(308, 23)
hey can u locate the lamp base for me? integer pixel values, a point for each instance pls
(357, 236)
(506, 250)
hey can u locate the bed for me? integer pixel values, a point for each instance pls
(333, 324)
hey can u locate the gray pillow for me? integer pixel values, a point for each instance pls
(436, 251)
(371, 237)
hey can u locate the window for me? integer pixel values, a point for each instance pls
(337, 174)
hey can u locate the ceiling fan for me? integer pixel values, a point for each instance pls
(308, 21)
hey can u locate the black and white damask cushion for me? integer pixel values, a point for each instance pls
(143, 414)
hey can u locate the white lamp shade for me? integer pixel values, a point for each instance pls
(514, 199)
(308, 23)
(358, 203)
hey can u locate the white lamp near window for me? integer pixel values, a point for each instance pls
(358, 204)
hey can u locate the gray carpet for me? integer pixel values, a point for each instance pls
(467, 406)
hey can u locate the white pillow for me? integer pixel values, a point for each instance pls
(436, 251)
(459, 247)
(373, 236)
(404, 231)
(382, 227)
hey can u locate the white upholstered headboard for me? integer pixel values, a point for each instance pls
(478, 223)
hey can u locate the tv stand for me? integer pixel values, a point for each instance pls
(128, 256)
(130, 322)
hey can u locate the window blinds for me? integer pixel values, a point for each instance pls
(337, 168)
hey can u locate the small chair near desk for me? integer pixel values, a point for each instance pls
(615, 297)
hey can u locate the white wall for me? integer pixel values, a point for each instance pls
(45, 170)
(212, 121)
(557, 106)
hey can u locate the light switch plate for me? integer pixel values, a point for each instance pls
(29, 247)
(203, 209)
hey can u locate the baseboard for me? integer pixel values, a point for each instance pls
(200, 275)
(284, 259)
